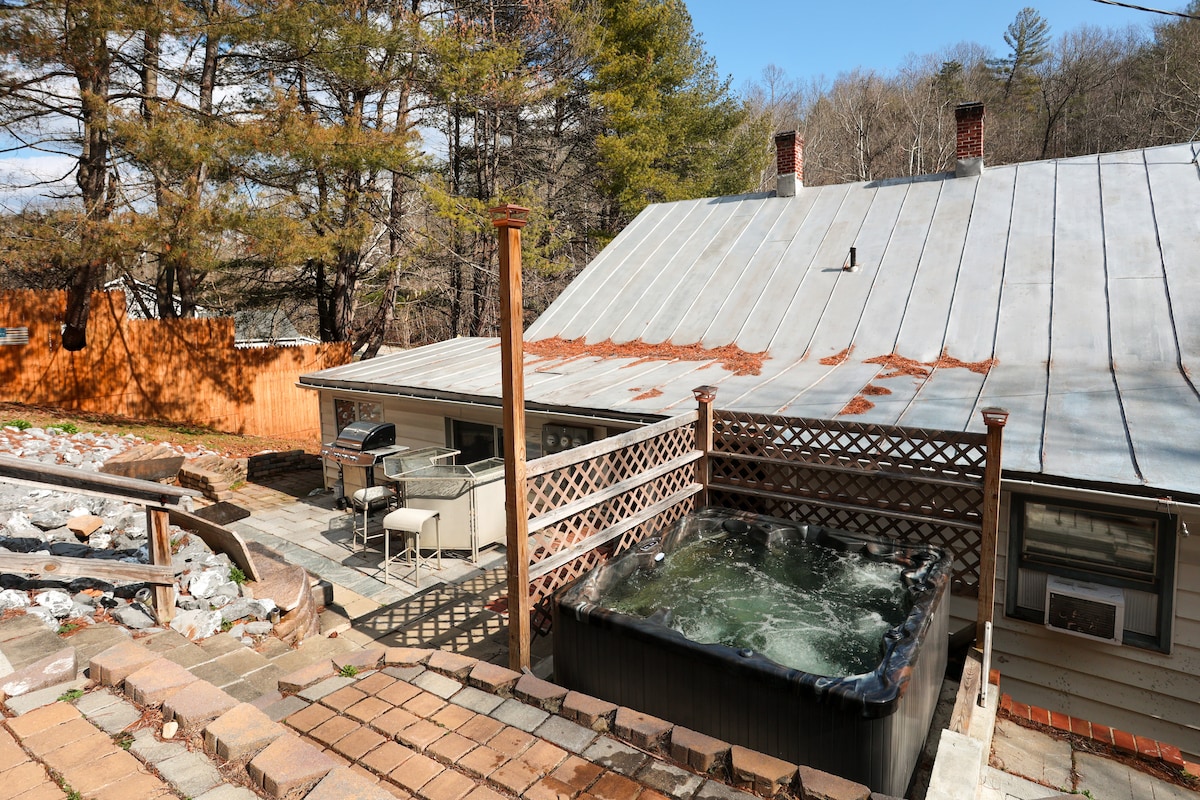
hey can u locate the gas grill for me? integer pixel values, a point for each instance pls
(361, 444)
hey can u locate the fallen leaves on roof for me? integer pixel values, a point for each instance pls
(649, 394)
(858, 405)
(730, 356)
(837, 358)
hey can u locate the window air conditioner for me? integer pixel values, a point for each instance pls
(1085, 609)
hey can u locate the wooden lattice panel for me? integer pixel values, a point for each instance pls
(912, 484)
(852, 445)
(574, 481)
(579, 481)
(954, 502)
(961, 543)
(593, 519)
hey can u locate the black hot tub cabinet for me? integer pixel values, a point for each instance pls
(868, 728)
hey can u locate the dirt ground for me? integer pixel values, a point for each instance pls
(228, 444)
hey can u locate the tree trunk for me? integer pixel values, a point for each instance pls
(89, 58)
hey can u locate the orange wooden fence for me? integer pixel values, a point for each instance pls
(180, 370)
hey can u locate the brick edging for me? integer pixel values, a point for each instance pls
(735, 766)
(1122, 741)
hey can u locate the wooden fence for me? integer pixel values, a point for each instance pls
(180, 370)
(920, 485)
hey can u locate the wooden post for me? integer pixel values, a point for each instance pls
(994, 418)
(704, 436)
(158, 526)
(510, 219)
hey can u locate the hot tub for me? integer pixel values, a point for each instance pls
(853, 695)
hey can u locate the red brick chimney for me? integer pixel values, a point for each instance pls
(968, 118)
(789, 163)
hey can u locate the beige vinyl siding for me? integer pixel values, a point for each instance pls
(422, 423)
(1141, 691)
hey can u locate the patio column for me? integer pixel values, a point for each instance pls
(509, 219)
(704, 436)
(994, 418)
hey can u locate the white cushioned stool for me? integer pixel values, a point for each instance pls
(368, 500)
(412, 523)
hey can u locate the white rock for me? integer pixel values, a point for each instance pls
(57, 602)
(205, 582)
(197, 624)
(169, 729)
(44, 615)
(11, 598)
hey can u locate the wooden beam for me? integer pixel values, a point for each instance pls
(158, 527)
(995, 419)
(56, 567)
(73, 479)
(509, 220)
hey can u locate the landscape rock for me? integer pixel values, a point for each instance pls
(133, 617)
(12, 598)
(48, 519)
(58, 603)
(197, 624)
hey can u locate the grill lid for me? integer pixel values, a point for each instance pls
(365, 436)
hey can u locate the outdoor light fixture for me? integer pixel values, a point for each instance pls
(509, 216)
(995, 417)
(705, 394)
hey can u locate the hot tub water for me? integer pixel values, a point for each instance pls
(798, 603)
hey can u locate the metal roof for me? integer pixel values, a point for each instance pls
(1079, 276)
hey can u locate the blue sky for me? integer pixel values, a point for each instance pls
(809, 39)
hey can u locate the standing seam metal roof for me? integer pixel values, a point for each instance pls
(1079, 276)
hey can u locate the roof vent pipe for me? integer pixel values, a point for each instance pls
(789, 163)
(968, 119)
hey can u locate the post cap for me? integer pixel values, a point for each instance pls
(509, 216)
(705, 394)
(995, 417)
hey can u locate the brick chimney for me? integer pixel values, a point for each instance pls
(968, 119)
(789, 163)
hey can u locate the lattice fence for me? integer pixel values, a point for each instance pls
(915, 484)
(592, 502)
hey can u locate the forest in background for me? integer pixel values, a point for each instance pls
(336, 160)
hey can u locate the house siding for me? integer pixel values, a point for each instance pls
(1141, 691)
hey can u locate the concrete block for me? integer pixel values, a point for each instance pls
(540, 693)
(289, 765)
(519, 715)
(492, 678)
(818, 785)
(342, 783)
(197, 704)
(151, 684)
(112, 666)
(641, 730)
(301, 679)
(50, 671)
(190, 773)
(764, 774)
(240, 732)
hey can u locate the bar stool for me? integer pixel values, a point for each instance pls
(412, 523)
(367, 500)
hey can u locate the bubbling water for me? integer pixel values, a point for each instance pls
(802, 605)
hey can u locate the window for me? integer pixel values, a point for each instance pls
(1126, 550)
(475, 440)
(347, 411)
